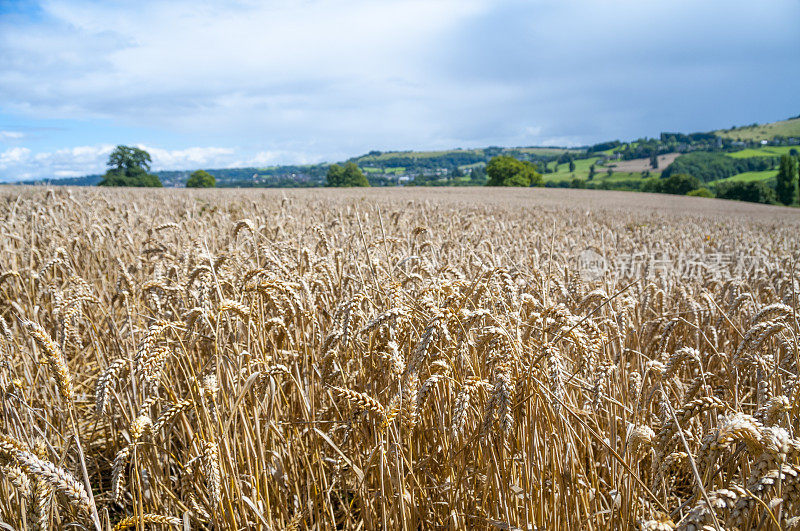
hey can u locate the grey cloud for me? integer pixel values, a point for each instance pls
(324, 80)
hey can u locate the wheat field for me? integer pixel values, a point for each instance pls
(401, 359)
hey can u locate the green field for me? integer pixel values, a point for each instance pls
(766, 151)
(393, 169)
(609, 152)
(787, 128)
(582, 172)
(415, 155)
(750, 176)
(545, 150)
(599, 178)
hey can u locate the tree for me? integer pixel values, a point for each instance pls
(591, 172)
(349, 175)
(701, 192)
(201, 179)
(654, 160)
(353, 175)
(577, 183)
(128, 166)
(786, 185)
(508, 171)
(127, 158)
(335, 175)
(708, 166)
(571, 165)
(753, 191)
(477, 176)
(679, 184)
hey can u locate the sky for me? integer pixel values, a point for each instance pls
(212, 84)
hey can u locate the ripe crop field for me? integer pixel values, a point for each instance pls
(639, 165)
(399, 359)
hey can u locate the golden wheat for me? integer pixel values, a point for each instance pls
(369, 360)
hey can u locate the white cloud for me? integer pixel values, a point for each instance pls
(271, 158)
(63, 174)
(180, 65)
(20, 163)
(11, 135)
(193, 157)
(311, 80)
(14, 156)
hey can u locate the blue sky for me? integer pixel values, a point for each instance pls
(205, 84)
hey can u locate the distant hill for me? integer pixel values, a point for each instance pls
(86, 180)
(389, 168)
(617, 164)
(449, 167)
(288, 176)
(466, 155)
(753, 133)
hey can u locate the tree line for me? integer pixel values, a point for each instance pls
(130, 166)
(709, 167)
(687, 175)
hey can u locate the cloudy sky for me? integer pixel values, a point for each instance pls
(205, 84)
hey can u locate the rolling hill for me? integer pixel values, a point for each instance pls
(621, 165)
(757, 132)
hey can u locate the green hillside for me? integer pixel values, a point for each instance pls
(749, 176)
(480, 153)
(740, 154)
(378, 156)
(766, 151)
(756, 132)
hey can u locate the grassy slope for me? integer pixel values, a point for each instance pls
(582, 172)
(768, 131)
(766, 151)
(394, 169)
(761, 132)
(413, 155)
(366, 159)
(750, 176)
(545, 151)
(765, 131)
